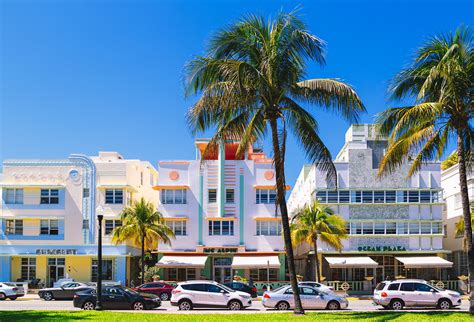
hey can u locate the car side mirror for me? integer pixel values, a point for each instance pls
(223, 292)
(434, 291)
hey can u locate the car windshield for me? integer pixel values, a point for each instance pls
(279, 288)
(129, 290)
(226, 288)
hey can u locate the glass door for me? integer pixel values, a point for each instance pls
(222, 269)
(56, 270)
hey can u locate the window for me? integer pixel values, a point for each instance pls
(436, 196)
(266, 196)
(111, 224)
(402, 196)
(356, 196)
(212, 195)
(211, 288)
(321, 196)
(177, 226)
(436, 228)
(14, 196)
(56, 261)
(393, 287)
(414, 228)
(49, 227)
(379, 228)
(368, 228)
(229, 196)
(414, 196)
(269, 228)
(402, 228)
(380, 286)
(107, 270)
(261, 274)
(28, 269)
(49, 196)
(308, 291)
(379, 196)
(367, 196)
(332, 197)
(344, 197)
(185, 274)
(221, 227)
(390, 196)
(356, 228)
(173, 196)
(423, 287)
(425, 196)
(426, 228)
(114, 196)
(390, 228)
(14, 227)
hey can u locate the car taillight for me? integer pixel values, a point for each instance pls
(383, 294)
(175, 291)
(266, 296)
(254, 289)
(15, 289)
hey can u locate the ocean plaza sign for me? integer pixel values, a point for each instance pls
(381, 249)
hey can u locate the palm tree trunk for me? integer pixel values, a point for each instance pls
(316, 260)
(467, 218)
(143, 259)
(280, 185)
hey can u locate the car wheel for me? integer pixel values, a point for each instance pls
(2, 297)
(283, 306)
(396, 305)
(13, 298)
(138, 306)
(333, 305)
(88, 305)
(444, 304)
(47, 296)
(185, 305)
(164, 296)
(235, 305)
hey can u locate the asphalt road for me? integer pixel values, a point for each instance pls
(257, 307)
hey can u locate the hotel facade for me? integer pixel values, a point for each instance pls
(222, 210)
(48, 226)
(394, 223)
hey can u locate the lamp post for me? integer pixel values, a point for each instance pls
(98, 304)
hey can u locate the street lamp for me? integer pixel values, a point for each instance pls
(98, 304)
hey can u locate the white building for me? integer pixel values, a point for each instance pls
(452, 214)
(222, 211)
(394, 222)
(48, 226)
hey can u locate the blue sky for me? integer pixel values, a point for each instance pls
(88, 76)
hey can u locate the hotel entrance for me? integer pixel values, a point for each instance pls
(222, 269)
(56, 270)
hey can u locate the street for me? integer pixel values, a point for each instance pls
(31, 303)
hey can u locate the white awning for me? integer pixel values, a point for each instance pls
(351, 262)
(255, 262)
(182, 261)
(424, 262)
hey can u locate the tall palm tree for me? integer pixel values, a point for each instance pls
(144, 226)
(252, 80)
(318, 222)
(440, 83)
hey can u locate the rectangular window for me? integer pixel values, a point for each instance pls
(344, 196)
(436, 228)
(114, 196)
(263, 274)
(28, 269)
(111, 224)
(379, 228)
(356, 196)
(177, 226)
(14, 196)
(425, 196)
(402, 228)
(436, 196)
(425, 228)
(390, 228)
(390, 196)
(368, 228)
(265, 196)
(49, 196)
(212, 196)
(229, 196)
(49, 227)
(402, 196)
(268, 228)
(107, 270)
(356, 228)
(332, 197)
(379, 196)
(413, 196)
(321, 196)
(414, 228)
(173, 196)
(221, 227)
(367, 196)
(14, 227)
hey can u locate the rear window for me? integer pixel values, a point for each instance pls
(380, 286)
(394, 287)
(195, 287)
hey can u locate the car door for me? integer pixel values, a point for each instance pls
(217, 296)
(114, 298)
(288, 297)
(408, 294)
(68, 290)
(426, 295)
(311, 299)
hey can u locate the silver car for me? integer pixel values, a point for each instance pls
(282, 299)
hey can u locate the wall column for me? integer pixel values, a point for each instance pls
(121, 269)
(200, 210)
(241, 208)
(5, 268)
(221, 179)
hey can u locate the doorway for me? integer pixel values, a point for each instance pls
(56, 270)
(222, 269)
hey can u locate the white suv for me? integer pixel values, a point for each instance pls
(10, 291)
(413, 293)
(188, 295)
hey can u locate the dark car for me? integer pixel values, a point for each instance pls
(163, 290)
(239, 286)
(65, 292)
(117, 297)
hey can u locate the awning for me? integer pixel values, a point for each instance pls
(424, 262)
(351, 262)
(255, 262)
(182, 261)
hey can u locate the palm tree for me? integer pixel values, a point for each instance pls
(252, 80)
(315, 222)
(439, 81)
(144, 226)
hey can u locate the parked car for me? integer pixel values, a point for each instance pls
(11, 291)
(318, 286)
(239, 286)
(282, 299)
(64, 292)
(192, 294)
(117, 297)
(397, 294)
(162, 289)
